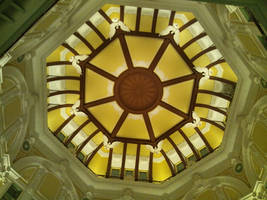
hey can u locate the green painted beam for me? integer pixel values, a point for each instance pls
(17, 16)
(258, 7)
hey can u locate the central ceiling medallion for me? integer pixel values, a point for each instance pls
(138, 90)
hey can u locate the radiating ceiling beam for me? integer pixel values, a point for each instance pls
(123, 160)
(223, 80)
(171, 18)
(211, 108)
(99, 102)
(125, 51)
(109, 162)
(136, 169)
(90, 157)
(63, 92)
(212, 123)
(191, 22)
(149, 127)
(178, 80)
(215, 94)
(72, 50)
(82, 84)
(195, 152)
(80, 37)
(119, 124)
(159, 54)
(181, 156)
(76, 132)
(63, 124)
(93, 27)
(82, 145)
(100, 71)
(198, 37)
(63, 78)
(105, 16)
(58, 63)
(59, 106)
(209, 49)
(150, 168)
(138, 18)
(168, 162)
(173, 109)
(122, 13)
(154, 21)
(204, 139)
(221, 60)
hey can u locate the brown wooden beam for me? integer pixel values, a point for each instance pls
(93, 27)
(104, 15)
(100, 72)
(173, 109)
(123, 160)
(150, 168)
(63, 78)
(201, 35)
(178, 80)
(183, 55)
(194, 95)
(58, 63)
(215, 94)
(82, 85)
(76, 132)
(59, 106)
(82, 145)
(63, 92)
(125, 51)
(181, 156)
(204, 139)
(136, 169)
(171, 18)
(223, 80)
(211, 108)
(93, 154)
(215, 63)
(149, 127)
(212, 123)
(122, 13)
(195, 152)
(154, 22)
(80, 37)
(138, 19)
(159, 54)
(99, 102)
(202, 53)
(109, 162)
(168, 162)
(192, 21)
(119, 124)
(72, 50)
(172, 130)
(63, 124)
(143, 34)
(96, 122)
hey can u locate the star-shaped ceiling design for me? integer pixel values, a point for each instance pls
(134, 93)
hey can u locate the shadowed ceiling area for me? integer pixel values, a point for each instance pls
(139, 93)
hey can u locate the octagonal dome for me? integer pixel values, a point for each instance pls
(139, 93)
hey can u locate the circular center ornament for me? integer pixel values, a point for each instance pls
(138, 90)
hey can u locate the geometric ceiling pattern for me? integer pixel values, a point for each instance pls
(139, 93)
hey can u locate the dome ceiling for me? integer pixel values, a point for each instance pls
(139, 93)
